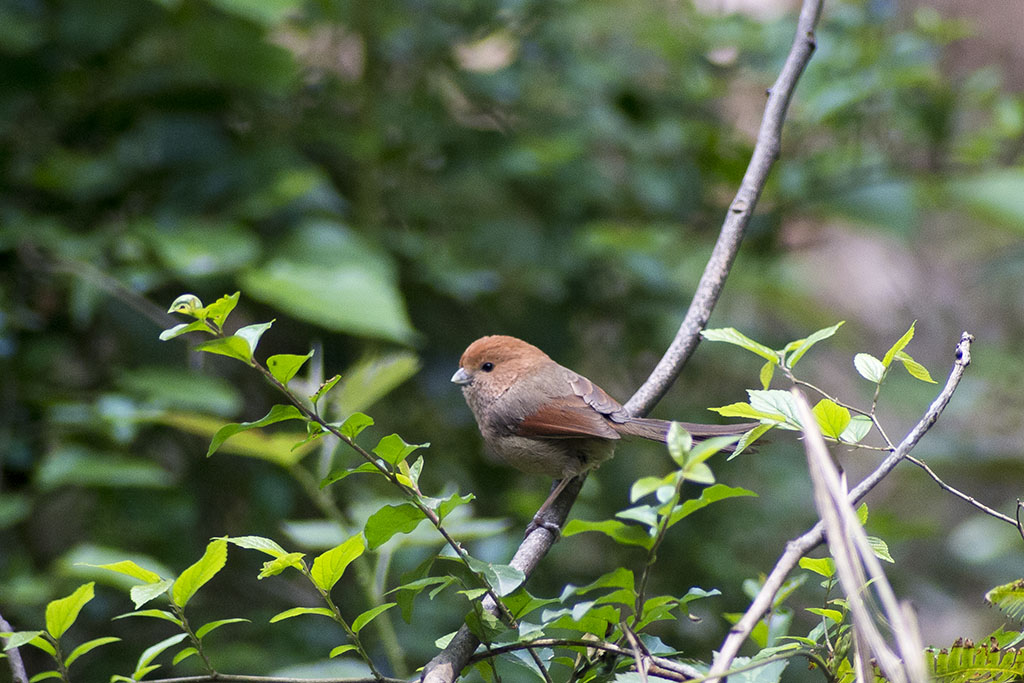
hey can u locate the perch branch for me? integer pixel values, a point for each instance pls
(445, 667)
(800, 546)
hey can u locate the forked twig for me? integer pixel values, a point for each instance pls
(800, 546)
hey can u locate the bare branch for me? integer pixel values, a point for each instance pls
(766, 152)
(800, 546)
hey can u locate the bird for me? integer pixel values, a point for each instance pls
(542, 418)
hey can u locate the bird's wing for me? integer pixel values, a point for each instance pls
(594, 396)
(563, 419)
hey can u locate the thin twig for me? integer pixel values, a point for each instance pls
(961, 495)
(800, 546)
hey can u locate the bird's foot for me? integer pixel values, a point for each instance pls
(539, 522)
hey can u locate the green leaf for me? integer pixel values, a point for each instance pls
(626, 534)
(278, 413)
(831, 417)
(708, 447)
(185, 328)
(153, 613)
(252, 333)
(218, 311)
(711, 494)
(393, 449)
(679, 443)
(329, 567)
(803, 346)
(369, 615)
(775, 402)
(996, 194)
(19, 638)
(61, 614)
(142, 594)
(746, 410)
(371, 378)
(747, 439)
(355, 423)
(260, 543)
(42, 676)
(766, 374)
(87, 647)
(731, 335)
(862, 514)
(342, 649)
(183, 654)
(152, 652)
(298, 611)
(502, 578)
(129, 568)
(232, 347)
(279, 564)
(899, 345)
(916, 370)
(283, 366)
(823, 566)
(858, 428)
(324, 261)
(835, 615)
(338, 475)
(213, 625)
(324, 388)
(390, 520)
(188, 304)
(193, 578)
(647, 485)
(869, 367)
(451, 502)
(1008, 599)
(880, 549)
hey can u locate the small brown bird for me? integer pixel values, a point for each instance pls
(543, 418)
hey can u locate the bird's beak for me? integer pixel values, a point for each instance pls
(461, 377)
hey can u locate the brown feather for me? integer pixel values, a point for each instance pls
(562, 420)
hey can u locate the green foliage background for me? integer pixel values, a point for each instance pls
(391, 181)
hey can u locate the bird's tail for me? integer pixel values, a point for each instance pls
(657, 430)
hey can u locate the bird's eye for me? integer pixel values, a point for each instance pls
(487, 367)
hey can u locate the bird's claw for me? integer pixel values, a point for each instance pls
(539, 523)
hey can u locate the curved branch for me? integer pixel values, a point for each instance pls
(800, 546)
(766, 152)
(445, 667)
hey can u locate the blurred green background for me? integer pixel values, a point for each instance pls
(392, 180)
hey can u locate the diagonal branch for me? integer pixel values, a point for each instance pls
(447, 665)
(766, 152)
(800, 546)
